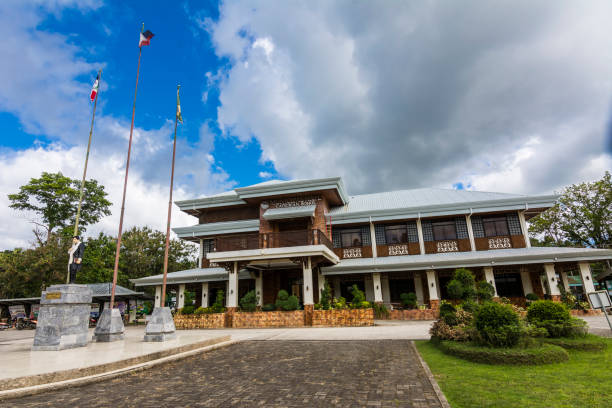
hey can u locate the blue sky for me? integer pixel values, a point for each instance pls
(511, 97)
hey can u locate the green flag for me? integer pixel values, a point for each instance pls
(179, 117)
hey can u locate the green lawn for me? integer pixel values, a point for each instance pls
(583, 381)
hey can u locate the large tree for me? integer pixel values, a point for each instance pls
(54, 199)
(582, 217)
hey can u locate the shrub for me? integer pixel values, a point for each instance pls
(571, 328)
(532, 297)
(469, 306)
(326, 297)
(286, 302)
(201, 310)
(186, 310)
(340, 303)
(249, 301)
(268, 307)
(588, 343)
(217, 306)
(455, 289)
(358, 297)
(497, 325)
(543, 354)
(380, 311)
(495, 315)
(547, 310)
(448, 313)
(409, 300)
(443, 331)
(484, 291)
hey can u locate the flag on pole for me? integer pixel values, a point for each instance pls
(145, 38)
(179, 117)
(94, 88)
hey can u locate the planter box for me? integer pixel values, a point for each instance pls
(414, 314)
(343, 317)
(277, 318)
(203, 321)
(590, 312)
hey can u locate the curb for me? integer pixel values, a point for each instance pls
(443, 401)
(76, 382)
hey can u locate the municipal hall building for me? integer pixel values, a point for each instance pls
(297, 235)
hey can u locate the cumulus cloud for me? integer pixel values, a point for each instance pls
(42, 88)
(507, 96)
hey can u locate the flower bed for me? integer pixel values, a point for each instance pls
(413, 314)
(343, 317)
(542, 354)
(199, 321)
(277, 318)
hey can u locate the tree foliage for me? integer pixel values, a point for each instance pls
(582, 217)
(23, 272)
(54, 198)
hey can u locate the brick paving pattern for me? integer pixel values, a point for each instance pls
(384, 373)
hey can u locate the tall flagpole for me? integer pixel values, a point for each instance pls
(163, 294)
(78, 214)
(127, 168)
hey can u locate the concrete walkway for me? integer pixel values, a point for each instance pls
(19, 361)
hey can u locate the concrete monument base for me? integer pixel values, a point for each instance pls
(63, 318)
(160, 326)
(110, 326)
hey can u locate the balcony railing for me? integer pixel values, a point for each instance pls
(272, 240)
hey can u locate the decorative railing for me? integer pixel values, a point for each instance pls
(272, 240)
(447, 246)
(351, 252)
(500, 243)
(398, 249)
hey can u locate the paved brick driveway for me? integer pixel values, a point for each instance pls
(383, 373)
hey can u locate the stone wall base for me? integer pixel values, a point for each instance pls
(414, 314)
(203, 321)
(343, 317)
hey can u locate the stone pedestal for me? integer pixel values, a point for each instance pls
(110, 326)
(63, 318)
(160, 326)
(308, 313)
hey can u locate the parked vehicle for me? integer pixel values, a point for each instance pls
(26, 323)
(5, 325)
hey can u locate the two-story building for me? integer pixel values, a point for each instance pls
(295, 235)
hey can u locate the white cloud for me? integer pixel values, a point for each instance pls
(38, 84)
(397, 95)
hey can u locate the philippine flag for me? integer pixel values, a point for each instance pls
(145, 38)
(94, 89)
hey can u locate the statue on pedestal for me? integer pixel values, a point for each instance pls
(76, 257)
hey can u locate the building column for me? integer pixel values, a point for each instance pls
(373, 240)
(418, 288)
(259, 288)
(490, 277)
(420, 234)
(337, 289)
(180, 297)
(523, 222)
(321, 282)
(468, 221)
(587, 278)
(376, 282)
(232, 287)
(369, 287)
(158, 296)
(551, 278)
(205, 294)
(434, 299)
(526, 281)
(201, 253)
(307, 276)
(565, 280)
(386, 293)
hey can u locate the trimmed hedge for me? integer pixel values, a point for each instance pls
(544, 354)
(588, 343)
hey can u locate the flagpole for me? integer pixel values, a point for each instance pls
(127, 168)
(163, 294)
(78, 214)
